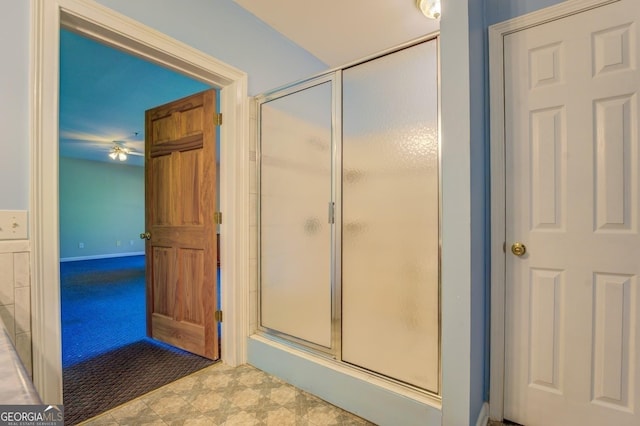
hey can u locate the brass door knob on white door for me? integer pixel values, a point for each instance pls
(518, 249)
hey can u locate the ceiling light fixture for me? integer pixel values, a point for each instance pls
(118, 152)
(430, 8)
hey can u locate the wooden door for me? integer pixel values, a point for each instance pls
(181, 251)
(573, 200)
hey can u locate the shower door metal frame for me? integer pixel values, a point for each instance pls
(334, 78)
(334, 353)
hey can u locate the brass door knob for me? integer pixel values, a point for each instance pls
(145, 235)
(518, 249)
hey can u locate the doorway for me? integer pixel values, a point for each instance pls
(103, 97)
(114, 30)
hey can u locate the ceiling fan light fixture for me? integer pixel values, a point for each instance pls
(118, 152)
(430, 8)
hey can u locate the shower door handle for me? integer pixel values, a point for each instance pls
(332, 212)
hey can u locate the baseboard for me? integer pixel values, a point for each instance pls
(101, 256)
(483, 417)
(339, 386)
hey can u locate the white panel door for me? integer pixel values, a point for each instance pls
(572, 195)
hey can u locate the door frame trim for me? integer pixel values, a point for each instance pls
(497, 33)
(119, 31)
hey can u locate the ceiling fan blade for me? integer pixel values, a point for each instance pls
(73, 136)
(82, 137)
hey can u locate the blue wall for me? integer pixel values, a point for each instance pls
(100, 204)
(219, 28)
(480, 203)
(501, 10)
(226, 31)
(14, 105)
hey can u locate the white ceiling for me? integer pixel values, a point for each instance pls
(341, 31)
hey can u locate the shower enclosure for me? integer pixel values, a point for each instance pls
(349, 216)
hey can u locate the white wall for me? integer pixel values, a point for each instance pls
(14, 97)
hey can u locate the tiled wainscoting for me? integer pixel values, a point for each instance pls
(15, 296)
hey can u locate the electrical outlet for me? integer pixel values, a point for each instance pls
(13, 224)
(118, 243)
(131, 242)
(80, 245)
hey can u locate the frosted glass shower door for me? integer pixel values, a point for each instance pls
(390, 199)
(295, 234)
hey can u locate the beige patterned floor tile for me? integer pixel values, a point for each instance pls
(283, 395)
(307, 398)
(198, 421)
(145, 422)
(222, 395)
(252, 378)
(186, 413)
(133, 413)
(184, 385)
(163, 392)
(280, 417)
(209, 401)
(242, 419)
(217, 417)
(217, 381)
(324, 415)
(306, 402)
(166, 405)
(245, 398)
(102, 420)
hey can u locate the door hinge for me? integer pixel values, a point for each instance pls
(217, 218)
(217, 119)
(218, 316)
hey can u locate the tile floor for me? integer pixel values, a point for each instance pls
(223, 395)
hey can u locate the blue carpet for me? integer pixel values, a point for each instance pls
(103, 306)
(107, 358)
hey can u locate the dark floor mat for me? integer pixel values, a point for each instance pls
(108, 380)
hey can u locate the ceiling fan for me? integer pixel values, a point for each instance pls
(120, 153)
